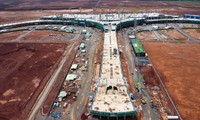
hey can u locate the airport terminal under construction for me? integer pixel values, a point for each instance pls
(100, 66)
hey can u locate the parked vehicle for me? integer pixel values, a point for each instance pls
(65, 104)
(143, 101)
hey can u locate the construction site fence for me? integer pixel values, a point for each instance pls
(22, 29)
(135, 23)
(57, 22)
(138, 31)
(96, 24)
(173, 21)
(83, 22)
(77, 22)
(113, 114)
(130, 23)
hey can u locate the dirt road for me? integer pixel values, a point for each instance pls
(86, 82)
(49, 85)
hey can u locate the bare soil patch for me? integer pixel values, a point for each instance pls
(195, 33)
(149, 76)
(28, 10)
(10, 36)
(24, 72)
(47, 35)
(146, 36)
(178, 65)
(56, 87)
(175, 35)
(18, 16)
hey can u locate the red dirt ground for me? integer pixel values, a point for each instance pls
(149, 76)
(146, 36)
(10, 36)
(18, 16)
(178, 65)
(24, 69)
(67, 4)
(195, 33)
(28, 10)
(175, 35)
(56, 87)
(38, 35)
(44, 36)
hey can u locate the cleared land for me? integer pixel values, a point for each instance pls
(37, 35)
(28, 10)
(146, 36)
(48, 35)
(178, 66)
(174, 35)
(195, 33)
(61, 4)
(56, 87)
(165, 34)
(10, 36)
(18, 16)
(149, 76)
(168, 35)
(25, 69)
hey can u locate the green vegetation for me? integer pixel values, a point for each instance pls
(137, 46)
(138, 80)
